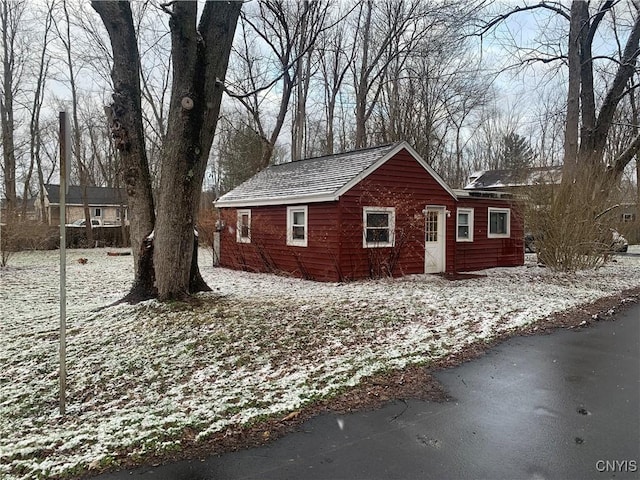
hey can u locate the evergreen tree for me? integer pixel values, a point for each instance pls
(240, 155)
(515, 152)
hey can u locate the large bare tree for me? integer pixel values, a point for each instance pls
(590, 110)
(200, 53)
(287, 32)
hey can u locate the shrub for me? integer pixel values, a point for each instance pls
(571, 224)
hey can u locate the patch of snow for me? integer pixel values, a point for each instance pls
(140, 376)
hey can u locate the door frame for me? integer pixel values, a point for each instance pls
(441, 264)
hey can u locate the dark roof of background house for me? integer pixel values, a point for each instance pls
(491, 179)
(95, 195)
(310, 177)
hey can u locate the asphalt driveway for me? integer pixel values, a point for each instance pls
(558, 406)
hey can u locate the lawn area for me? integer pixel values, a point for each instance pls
(140, 376)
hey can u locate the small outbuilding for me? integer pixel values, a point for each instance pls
(375, 212)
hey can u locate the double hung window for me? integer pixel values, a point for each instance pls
(297, 226)
(499, 223)
(464, 225)
(379, 226)
(243, 227)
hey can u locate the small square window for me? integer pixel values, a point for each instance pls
(499, 223)
(297, 226)
(464, 227)
(379, 226)
(243, 227)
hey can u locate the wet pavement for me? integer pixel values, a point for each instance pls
(559, 406)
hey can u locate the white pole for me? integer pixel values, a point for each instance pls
(64, 172)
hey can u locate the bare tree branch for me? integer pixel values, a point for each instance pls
(552, 6)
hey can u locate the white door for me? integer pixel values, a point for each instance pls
(434, 240)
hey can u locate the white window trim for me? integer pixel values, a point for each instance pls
(498, 210)
(297, 242)
(239, 237)
(392, 227)
(469, 212)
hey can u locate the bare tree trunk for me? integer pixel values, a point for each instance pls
(362, 80)
(200, 59)
(34, 122)
(9, 17)
(571, 132)
(125, 117)
(333, 73)
(65, 38)
(299, 137)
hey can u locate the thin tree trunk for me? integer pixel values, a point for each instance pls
(573, 97)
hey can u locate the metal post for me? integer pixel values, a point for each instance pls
(64, 172)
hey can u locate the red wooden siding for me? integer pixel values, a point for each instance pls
(334, 250)
(401, 183)
(485, 252)
(268, 250)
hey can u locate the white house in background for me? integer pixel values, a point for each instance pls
(105, 203)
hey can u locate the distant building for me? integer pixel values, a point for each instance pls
(105, 203)
(514, 180)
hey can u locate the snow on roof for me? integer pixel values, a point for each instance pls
(514, 178)
(314, 176)
(316, 179)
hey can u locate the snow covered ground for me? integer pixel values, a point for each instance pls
(140, 376)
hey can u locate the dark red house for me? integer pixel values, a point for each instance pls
(368, 213)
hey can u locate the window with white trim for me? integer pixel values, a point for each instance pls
(499, 223)
(297, 226)
(243, 227)
(464, 225)
(97, 212)
(379, 226)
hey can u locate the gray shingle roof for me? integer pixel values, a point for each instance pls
(95, 195)
(514, 178)
(317, 177)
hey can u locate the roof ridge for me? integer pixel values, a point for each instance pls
(346, 152)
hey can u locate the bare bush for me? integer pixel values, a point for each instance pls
(16, 237)
(207, 226)
(7, 244)
(571, 225)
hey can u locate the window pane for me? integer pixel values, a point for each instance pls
(244, 225)
(498, 222)
(463, 231)
(431, 227)
(298, 218)
(377, 235)
(377, 220)
(463, 219)
(298, 233)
